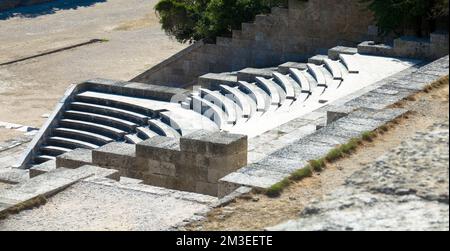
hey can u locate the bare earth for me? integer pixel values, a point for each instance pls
(31, 88)
(257, 211)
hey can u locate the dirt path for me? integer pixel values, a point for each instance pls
(257, 211)
(29, 89)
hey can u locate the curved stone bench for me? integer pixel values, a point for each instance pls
(317, 73)
(231, 108)
(145, 133)
(43, 158)
(133, 139)
(70, 143)
(90, 137)
(101, 119)
(286, 84)
(211, 111)
(334, 69)
(163, 129)
(271, 89)
(260, 97)
(110, 111)
(54, 150)
(108, 100)
(241, 99)
(187, 121)
(349, 63)
(301, 79)
(93, 128)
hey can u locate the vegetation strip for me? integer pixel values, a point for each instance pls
(55, 51)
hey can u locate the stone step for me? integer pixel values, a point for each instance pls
(232, 109)
(317, 59)
(284, 68)
(187, 121)
(54, 150)
(272, 89)
(145, 133)
(250, 74)
(42, 168)
(349, 63)
(257, 94)
(302, 80)
(240, 98)
(334, 68)
(336, 52)
(101, 119)
(318, 74)
(112, 101)
(90, 137)
(110, 111)
(133, 139)
(70, 143)
(93, 128)
(43, 158)
(286, 84)
(211, 111)
(164, 129)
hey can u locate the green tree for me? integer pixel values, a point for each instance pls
(398, 16)
(192, 20)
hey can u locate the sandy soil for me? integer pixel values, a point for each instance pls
(6, 134)
(31, 88)
(257, 211)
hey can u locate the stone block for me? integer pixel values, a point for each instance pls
(249, 74)
(206, 188)
(336, 112)
(159, 148)
(74, 159)
(42, 168)
(214, 143)
(120, 156)
(284, 68)
(370, 48)
(334, 52)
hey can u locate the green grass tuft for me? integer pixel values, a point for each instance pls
(334, 154)
(317, 165)
(276, 189)
(368, 136)
(302, 173)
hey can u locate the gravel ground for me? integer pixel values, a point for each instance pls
(405, 189)
(89, 206)
(32, 88)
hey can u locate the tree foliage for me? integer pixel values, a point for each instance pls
(192, 20)
(397, 16)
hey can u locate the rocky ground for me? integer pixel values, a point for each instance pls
(407, 189)
(88, 206)
(30, 89)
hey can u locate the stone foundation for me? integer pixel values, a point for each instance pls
(193, 163)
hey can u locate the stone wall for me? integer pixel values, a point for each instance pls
(410, 47)
(9, 4)
(291, 34)
(194, 163)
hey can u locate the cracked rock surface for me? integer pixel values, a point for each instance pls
(405, 189)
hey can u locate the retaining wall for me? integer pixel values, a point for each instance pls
(194, 163)
(291, 34)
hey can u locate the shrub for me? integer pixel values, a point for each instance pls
(192, 20)
(399, 16)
